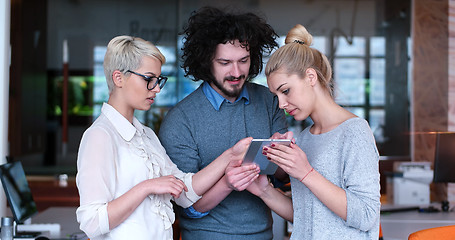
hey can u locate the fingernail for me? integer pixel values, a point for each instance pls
(264, 153)
(269, 158)
(273, 145)
(265, 149)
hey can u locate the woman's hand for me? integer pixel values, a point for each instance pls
(289, 158)
(166, 184)
(287, 135)
(259, 186)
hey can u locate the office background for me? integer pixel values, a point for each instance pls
(392, 61)
(356, 36)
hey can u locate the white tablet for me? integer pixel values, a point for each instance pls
(254, 154)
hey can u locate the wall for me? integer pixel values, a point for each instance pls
(433, 101)
(324, 17)
(99, 20)
(86, 24)
(451, 98)
(27, 87)
(430, 75)
(451, 112)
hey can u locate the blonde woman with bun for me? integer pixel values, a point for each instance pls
(333, 163)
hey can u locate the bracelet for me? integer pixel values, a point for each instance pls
(307, 174)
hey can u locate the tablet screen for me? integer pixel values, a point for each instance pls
(254, 154)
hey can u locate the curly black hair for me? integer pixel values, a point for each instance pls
(211, 26)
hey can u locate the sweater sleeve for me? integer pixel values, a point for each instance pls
(361, 178)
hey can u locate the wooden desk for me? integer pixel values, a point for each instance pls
(398, 225)
(48, 191)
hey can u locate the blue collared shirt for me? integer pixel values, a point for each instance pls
(216, 99)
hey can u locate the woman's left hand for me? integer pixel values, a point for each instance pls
(259, 185)
(290, 158)
(288, 135)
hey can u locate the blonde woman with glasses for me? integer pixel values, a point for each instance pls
(125, 179)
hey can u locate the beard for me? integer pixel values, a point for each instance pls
(234, 91)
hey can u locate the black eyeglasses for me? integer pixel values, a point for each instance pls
(152, 81)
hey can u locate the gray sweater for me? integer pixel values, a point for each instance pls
(194, 134)
(346, 156)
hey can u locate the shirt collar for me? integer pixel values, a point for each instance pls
(216, 99)
(121, 124)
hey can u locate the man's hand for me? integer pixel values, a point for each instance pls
(239, 176)
(238, 151)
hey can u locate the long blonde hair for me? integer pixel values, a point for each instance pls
(296, 56)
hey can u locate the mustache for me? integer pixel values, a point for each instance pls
(232, 78)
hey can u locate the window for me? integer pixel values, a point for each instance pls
(359, 73)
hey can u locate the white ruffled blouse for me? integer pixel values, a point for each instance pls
(115, 155)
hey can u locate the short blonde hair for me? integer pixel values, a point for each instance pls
(296, 56)
(125, 53)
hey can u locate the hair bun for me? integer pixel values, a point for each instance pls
(299, 34)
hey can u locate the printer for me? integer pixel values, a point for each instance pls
(409, 184)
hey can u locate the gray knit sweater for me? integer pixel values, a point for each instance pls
(346, 156)
(194, 134)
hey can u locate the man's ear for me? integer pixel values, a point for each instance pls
(312, 76)
(117, 77)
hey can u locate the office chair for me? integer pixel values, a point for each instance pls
(440, 233)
